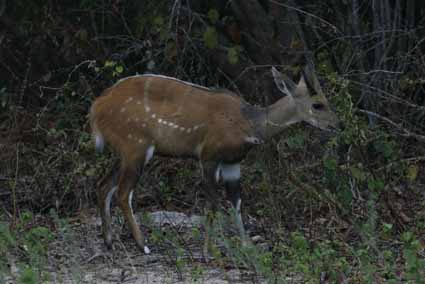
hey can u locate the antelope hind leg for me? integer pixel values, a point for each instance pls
(105, 192)
(128, 179)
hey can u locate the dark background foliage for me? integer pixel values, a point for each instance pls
(57, 56)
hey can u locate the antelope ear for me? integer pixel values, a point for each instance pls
(283, 83)
(302, 83)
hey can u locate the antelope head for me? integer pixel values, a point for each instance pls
(300, 104)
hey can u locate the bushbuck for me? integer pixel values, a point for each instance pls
(146, 115)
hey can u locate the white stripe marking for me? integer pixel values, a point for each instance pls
(108, 201)
(147, 250)
(238, 207)
(230, 172)
(217, 173)
(130, 198)
(149, 154)
(146, 95)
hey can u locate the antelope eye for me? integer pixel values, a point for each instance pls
(318, 106)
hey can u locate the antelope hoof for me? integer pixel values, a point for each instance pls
(143, 247)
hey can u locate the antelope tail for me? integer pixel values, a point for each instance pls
(95, 132)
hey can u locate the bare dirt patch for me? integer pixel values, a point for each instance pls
(78, 255)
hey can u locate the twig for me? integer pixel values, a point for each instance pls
(405, 132)
(411, 160)
(14, 187)
(96, 255)
(89, 62)
(312, 190)
(289, 7)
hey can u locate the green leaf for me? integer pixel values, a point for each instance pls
(213, 15)
(412, 173)
(296, 141)
(376, 184)
(345, 196)
(6, 237)
(233, 55)
(28, 276)
(210, 37)
(110, 63)
(387, 227)
(357, 173)
(330, 164)
(119, 69)
(386, 148)
(158, 22)
(90, 172)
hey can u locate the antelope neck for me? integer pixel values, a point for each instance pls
(275, 118)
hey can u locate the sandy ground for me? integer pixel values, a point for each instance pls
(78, 255)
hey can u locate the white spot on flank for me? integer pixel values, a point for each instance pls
(144, 125)
(181, 128)
(149, 154)
(188, 130)
(129, 99)
(159, 120)
(147, 109)
(139, 102)
(230, 172)
(170, 124)
(153, 115)
(175, 126)
(140, 141)
(137, 119)
(130, 136)
(123, 109)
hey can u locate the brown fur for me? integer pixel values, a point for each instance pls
(144, 115)
(213, 113)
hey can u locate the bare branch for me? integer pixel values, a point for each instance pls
(405, 132)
